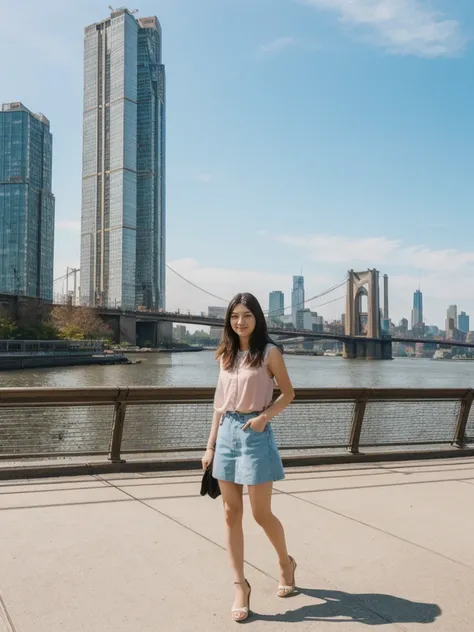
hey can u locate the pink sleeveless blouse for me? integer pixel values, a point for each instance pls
(244, 389)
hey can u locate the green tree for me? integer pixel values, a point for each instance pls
(71, 332)
(35, 331)
(7, 328)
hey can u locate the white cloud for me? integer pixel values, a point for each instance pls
(440, 289)
(370, 251)
(445, 274)
(280, 44)
(337, 249)
(406, 27)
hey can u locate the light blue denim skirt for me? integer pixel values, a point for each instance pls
(246, 457)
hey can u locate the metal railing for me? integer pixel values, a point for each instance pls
(45, 422)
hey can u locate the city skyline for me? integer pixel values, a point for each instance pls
(26, 203)
(398, 174)
(123, 172)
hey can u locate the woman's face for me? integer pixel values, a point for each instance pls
(242, 321)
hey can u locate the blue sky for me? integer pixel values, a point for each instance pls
(313, 134)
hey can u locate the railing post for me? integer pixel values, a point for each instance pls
(356, 425)
(117, 427)
(460, 433)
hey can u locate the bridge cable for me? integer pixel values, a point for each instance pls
(267, 312)
(64, 277)
(331, 301)
(197, 286)
(224, 300)
(313, 298)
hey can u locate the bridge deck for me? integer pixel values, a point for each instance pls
(381, 545)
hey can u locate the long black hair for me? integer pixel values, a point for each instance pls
(259, 339)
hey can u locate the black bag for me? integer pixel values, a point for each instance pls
(210, 485)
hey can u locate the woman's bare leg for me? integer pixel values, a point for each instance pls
(261, 502)
(234, 511)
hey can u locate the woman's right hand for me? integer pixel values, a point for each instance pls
(207, 459)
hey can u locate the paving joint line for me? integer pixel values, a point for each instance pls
(59, 505)
(379, 530)
(380, 486)
(184, 526)
(5, 616)
(222, 548)
(260, 570)
(12, 490)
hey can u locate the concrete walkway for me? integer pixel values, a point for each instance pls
(387, 546)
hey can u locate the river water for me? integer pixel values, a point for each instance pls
(200, 369)
(86, 430)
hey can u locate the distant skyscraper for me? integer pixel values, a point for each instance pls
(463, 322)
(276, 306)
(452, 312)
(417, 311)
(123, 166)
(216, 312)
(297, 297)
(403, 326)
(26, 203)
(451, 319)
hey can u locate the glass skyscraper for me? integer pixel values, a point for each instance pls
(463, 322)
(297, 297)
(276, 307)
(26, 203)
(123, 185)
(417, 311)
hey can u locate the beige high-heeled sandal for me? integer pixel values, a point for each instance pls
(236, 612)
(286, 591)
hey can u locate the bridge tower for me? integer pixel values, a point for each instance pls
(367, 341)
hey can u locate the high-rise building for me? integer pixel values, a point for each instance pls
(297, 297)
(276, 305)
(309, 321)
(26, 203)
(403, 326)
(451, 319)
(452, 312)
(463, 322)
(450, 326)
(304, 319)
(417, 311)
(216, 312)
(123, 165)
(318, 323)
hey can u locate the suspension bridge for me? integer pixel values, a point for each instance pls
(355, 312)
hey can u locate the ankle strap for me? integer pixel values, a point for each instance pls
(244, 582)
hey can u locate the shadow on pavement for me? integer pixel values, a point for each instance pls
(367, 608)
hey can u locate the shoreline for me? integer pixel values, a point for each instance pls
(17, 363)
(142, 352)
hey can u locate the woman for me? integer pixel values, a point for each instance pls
(241, 444)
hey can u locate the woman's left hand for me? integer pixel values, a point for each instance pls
(257, 424)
